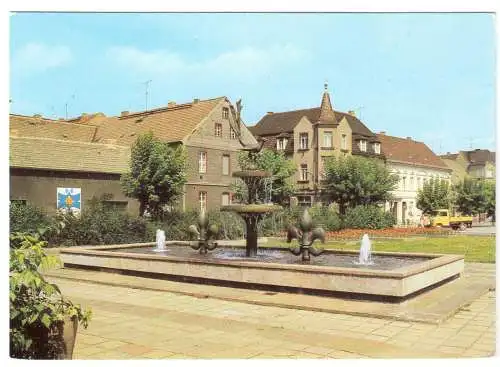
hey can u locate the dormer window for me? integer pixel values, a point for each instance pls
(304, 141)
(281, 143)
(362, 145)
(376, 148)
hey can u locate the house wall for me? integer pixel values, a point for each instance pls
(203, 139)
(39, 187)
(405, 196)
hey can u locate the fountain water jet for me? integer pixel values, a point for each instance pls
(160, 241)
(365, 252)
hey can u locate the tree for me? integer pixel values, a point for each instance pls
(277, 187)
(489, 199)
(434, 195)
(352, 180)
(470, 197)
(157, 174)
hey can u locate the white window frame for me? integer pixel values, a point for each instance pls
(304, 141)
(328, 143)
(228, 195)
(225, 113)
(362, 145)
(202, 162)
(376, 148)
(218, 130)
(343, 142)
(202, 199)
(304, 172)
(226, 173)
(232, 134)
(281, 143)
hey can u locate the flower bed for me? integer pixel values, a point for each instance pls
(356, 234)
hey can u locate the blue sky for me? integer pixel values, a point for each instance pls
(428, 76)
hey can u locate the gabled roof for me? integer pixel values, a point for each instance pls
(274, 123)
(169, 124)
(480, 156)
(39, 127)
(405, 150)
(62, 155)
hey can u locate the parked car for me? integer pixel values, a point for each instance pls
(442, 218)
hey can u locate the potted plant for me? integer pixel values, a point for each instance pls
(43, 323)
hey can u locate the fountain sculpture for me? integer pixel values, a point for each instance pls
(306, 235)
(204, 233)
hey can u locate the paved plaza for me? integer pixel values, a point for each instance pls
(140, 323)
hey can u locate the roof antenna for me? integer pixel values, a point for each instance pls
(66, 105)
(147, 84)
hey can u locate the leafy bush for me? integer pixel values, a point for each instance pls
(368, 216)
(37, 309)
(27, 218)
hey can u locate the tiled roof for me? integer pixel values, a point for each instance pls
(449, 156)
(406, 150)
(38, 127)
(168, 124)
(274, 123)
(62, 155)
(480, 156)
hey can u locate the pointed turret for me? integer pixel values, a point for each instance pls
(326, 114)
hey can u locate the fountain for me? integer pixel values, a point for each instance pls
(160, 241)
(205, 235)
(365, 252)
(252, 212)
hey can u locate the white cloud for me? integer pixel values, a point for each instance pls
(38, 57)
(242, 64)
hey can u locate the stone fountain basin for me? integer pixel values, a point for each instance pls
(397, 284)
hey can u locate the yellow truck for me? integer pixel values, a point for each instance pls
(442, 218)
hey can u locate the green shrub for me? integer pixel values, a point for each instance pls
(27, 218)
(368, 216)
(37, 308)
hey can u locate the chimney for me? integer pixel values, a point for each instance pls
(270, 113)
(171, 104)
(352, 113)
(196, 100)
(382, 133)
(124, 113)
(408, 138)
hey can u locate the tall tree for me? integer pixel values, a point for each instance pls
(352, 180)
(434, 195)
(157, 174)
(469, 196)
(489, 199)
(278, 187)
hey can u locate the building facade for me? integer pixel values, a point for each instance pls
(309, 136)
(210, 130)
(414, 163)
(478, 163)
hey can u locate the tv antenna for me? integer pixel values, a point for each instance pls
(147, 83)
(471, 139)
(66, 105)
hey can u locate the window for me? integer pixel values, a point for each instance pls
(376, 148)
(225, 113)
(117, 205)
(281, 143)
(226, 199)
(225, 165)
(418, 183)
(327, 139)
(218, 130)
(304, 200)
(411, 183)
(202, 162)
(362, 145)
(203, 200)
(404, 182)
(303, 172)
(344, 142)
(304, 141)
(232, 134)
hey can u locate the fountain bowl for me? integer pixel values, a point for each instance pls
(394, 285)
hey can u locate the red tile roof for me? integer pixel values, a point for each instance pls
(406, 150)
